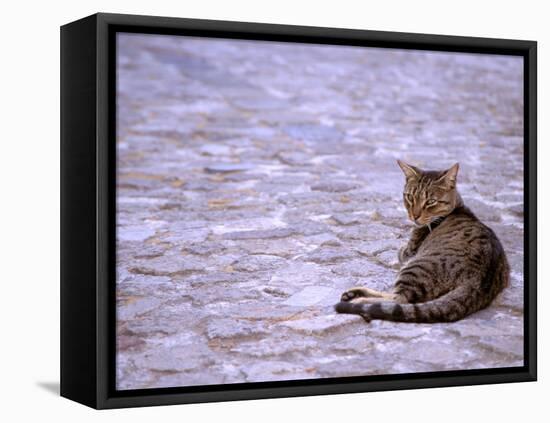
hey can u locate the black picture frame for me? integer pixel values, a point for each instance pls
(88, 209)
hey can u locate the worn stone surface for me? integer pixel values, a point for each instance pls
(257, 181)
(310, 295)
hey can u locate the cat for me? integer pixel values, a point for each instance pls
(452, 266)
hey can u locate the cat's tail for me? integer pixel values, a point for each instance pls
(450, 307)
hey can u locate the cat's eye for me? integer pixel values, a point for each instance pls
(408, 197)
(430, 202)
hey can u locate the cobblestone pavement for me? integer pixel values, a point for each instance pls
(257, 181)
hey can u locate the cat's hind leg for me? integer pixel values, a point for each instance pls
(361, 292)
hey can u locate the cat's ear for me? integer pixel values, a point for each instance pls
(449, 176)
(409, 170)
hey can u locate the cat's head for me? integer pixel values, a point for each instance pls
(429, 195)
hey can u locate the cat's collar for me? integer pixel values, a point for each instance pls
(435, 223)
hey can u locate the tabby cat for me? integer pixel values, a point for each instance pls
(452, 266)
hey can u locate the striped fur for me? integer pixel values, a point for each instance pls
(452, 266)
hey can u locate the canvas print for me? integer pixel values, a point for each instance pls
(290, 211)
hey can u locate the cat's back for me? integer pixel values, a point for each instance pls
(463, 250)
(461, 234)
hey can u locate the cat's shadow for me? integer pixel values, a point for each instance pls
(51, 387)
